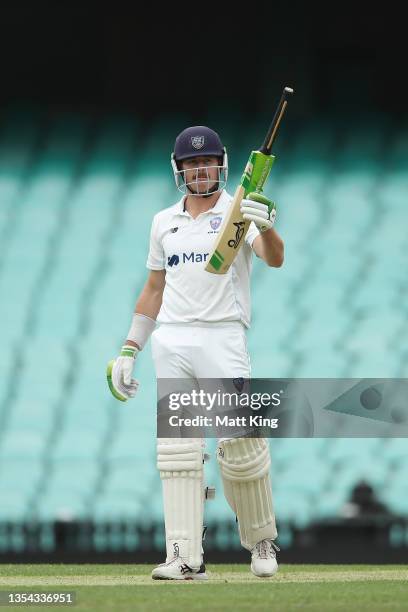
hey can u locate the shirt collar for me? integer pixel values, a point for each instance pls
(219, 205)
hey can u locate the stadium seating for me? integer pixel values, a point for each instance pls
(76, 202)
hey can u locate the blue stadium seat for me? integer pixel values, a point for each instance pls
(78, 444)
(20, 475)
(23, 444)
(14, 505)
(77, 476)
(64, 505)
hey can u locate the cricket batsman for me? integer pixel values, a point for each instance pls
(202, 321)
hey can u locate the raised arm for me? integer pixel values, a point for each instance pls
(269, 247)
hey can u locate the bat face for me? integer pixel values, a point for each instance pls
(234, 227)
(230, 237)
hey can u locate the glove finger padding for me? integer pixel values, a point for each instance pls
(119, 372)
(259, 209)
(261, 223)
(119, 379)
(127, 369)
(114, 388)
(255, 205)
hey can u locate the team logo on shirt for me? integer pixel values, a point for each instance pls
(197, 142)
(215, 223)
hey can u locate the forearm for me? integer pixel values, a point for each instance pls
(267, 245)
(149, 302)
(270, 248)
(146, 309)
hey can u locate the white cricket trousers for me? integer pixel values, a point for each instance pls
(201, 350)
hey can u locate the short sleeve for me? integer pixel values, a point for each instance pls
(155, 259)
(251, 234)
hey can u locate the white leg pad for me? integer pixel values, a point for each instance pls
(245, 465)
(180, 462)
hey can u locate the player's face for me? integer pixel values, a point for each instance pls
(201, 173)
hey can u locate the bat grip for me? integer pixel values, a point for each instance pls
(266, 148)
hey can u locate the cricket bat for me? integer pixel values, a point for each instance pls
(234, 227)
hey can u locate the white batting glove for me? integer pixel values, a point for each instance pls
(119, 374)
(259, 209)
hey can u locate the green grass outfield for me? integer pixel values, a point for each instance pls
(230, 588)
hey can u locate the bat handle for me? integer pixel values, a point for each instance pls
(271, 135)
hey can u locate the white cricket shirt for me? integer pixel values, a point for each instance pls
(182, 245)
